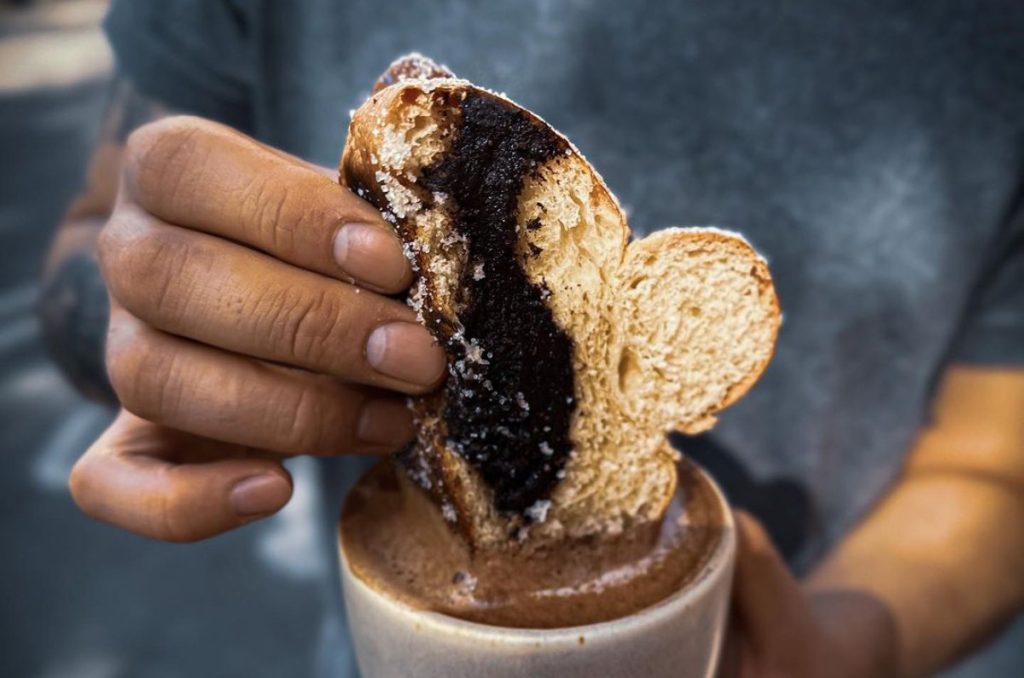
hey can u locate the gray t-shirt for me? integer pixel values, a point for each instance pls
(871, 150)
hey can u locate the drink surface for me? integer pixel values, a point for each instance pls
(397, 542)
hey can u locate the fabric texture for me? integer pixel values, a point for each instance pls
(992, 332)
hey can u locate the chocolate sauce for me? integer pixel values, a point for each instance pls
(510, 398)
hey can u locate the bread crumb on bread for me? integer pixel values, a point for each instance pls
(666, 330)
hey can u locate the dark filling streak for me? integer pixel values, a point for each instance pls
(417, 461)
(508, 414)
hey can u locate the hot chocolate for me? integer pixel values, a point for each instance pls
(397, 542)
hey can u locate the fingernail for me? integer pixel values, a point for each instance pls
(405, 351)
(385, 422)
(371, 255)
(258, 495)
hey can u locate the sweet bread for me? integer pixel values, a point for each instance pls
(572, 351)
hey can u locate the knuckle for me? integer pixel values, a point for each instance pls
(81, 484)
(173, 519)
(107, 244)
(145, 264)
(163, 158)
(145, 377)
(272, 210)
(311, 326)
(114, 244)
(120, 359)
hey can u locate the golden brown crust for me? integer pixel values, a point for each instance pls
(369, 166)
(677, 238)
(411, 67)
(767, 291)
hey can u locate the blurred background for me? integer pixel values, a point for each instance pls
(77, 598)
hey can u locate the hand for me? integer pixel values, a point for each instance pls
(247, 323)
(777, 629)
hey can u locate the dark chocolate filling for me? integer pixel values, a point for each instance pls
(510, 397)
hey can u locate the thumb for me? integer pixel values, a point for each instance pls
(769, 603)
(174, 486)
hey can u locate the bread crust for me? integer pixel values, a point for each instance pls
(374, 166)
(674, 238)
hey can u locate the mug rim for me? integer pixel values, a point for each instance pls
(719, 565)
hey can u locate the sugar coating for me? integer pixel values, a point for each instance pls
(538, 511)
(403, 202)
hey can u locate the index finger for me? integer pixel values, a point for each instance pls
(203, 175)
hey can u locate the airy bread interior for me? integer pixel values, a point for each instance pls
(666, 330)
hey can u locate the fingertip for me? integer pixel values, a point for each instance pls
(204, 500)
(260, 495)
(126, 478)
(373, 255)
(408, 352)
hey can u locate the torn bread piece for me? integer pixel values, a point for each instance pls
(572, 350)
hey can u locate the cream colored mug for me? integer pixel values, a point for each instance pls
(680, 637)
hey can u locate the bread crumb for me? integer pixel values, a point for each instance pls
(475, 354)
(465, 582)
(538, 511)
(420, 474)
(410, 254)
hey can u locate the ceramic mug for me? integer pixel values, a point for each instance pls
(679, 637)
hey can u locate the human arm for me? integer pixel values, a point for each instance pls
(944, 551)
(930, 573)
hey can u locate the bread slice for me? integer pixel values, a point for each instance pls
(572, 350)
